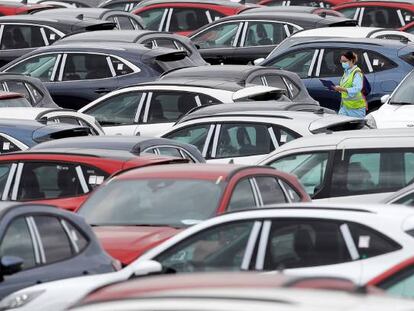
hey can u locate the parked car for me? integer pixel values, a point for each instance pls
(52, 115)
(149, 38)
(125, 5)
(137, 145)
(71, 3)
(41, 244)
(379, 13)
(365, 165)
(77, 73)
(32, 89)
(242, 38)
(408, 28)
(384, 62)
(152, 108)
(248, 136)
(294, 9)
(244, 75)
(16, 135)
(64, 177)
(122, 19)
(357, 32)
(14, 8)
(10, 99)
(139, 209)
(183, 16)
(23, 34)
(320, 3)
(405, 196)
(397, 109)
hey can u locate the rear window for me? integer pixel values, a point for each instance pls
(408, 58)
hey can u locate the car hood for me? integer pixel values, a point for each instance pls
(126, 243)
(389, 116)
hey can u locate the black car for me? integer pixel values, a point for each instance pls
(32, 88)
(122, 19)
(24, 33)
(125, 5)
(148, 38)
(135, 144)
(242, 38)
(41, 243)
(77, 73)
(243, 75)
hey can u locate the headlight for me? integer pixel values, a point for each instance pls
(18, 300)
(371, 121)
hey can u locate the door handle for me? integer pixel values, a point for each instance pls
(102, 90)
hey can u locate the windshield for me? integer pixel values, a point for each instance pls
(153, 202)
(404, 94)
(15, 102)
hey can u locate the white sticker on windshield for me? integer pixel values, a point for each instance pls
(52, 36)
(364, 241)
(6, 146)
(120, 67)
(283, 138)
(375, 62)
(92, 180)
(407, 18)
(99, 179)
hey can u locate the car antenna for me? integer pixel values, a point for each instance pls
(80, 16)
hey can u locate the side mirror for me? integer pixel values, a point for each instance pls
(10, 265)
(385, 98)
(146, 267)
(258, 61)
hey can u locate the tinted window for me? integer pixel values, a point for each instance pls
(187, 19)
(51, 36)
(371, 243)
(305, 243)
(7, 146)
(381, 17)
(39, 67)
(405, 92)
(67, 120)
(309, 168)
(194, 135)
(124, 22)
(284, 135)
(15, 102)
(120, 68)
(4, 173)
(18, 87)
(18, 231)
(214, 15)
(21, 37)
(379, 62)
(293, 195)
(331, 66)
(294, 89)
(222, 35)
(349, 12)
(237, 140)
(79, 240)
(170, 151)
(54, 239)
(37, 94)
(298, 62)
(166, 43)
(270, 190)
(206, 100)
(275, 81)
(152, 18)
(218, 248)
(117, 110)
(260, 33)
(242, 196)
(85, 67)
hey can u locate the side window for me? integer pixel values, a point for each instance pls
(293, 195)
(307, 243)
(18, 230)
(21, 37)
(187, 19)
(152, 18)
(39, 67)
(36, 94)
(166, 43)
(170, 151)
(120, 68)
(18, 87)
(331, 66)
(7, 146)
(51, 181)
(218, 248)
(309, 168)
(169, 106)
(363, 172)
(79, 240)
(194, 135)
(238, 140)
(220, 36)
(214, 15)
(270, 190)
(93, 176)
(54, 239)
(408, 16)
(261, 33)
(117, 110)
(65, 120)
(298, 62)
(4, 174)
(85, 67)
(293, 88)
(275, 81)
(370, 243)
(283, 135)
(379, 62)
(349, 12)
(381, 17)
(124, 23)
(206, 100)
(51, 36)
(242, 196)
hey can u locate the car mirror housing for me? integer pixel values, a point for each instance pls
(10, 264)
(258, 61)
(385, 98)
(147, 267)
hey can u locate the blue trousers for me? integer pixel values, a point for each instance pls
(356, 113)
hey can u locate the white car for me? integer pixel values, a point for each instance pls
(246, 136)
(397, 110)
(348, 241)
(52, 115)
(150, 109)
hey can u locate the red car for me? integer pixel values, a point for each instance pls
(380, 13)
(14, 8)
(321, 3)
(184, 16)
(408, 28)
(64, 177)
(12, 99)
(141, 208)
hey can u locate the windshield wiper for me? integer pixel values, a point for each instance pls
(401, 103)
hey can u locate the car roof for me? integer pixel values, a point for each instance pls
(27, 113)
(225, 3)
(395, 1)
(109, 35)
(356, 32)
(213, 84)
(214, 172)
(48, 19)
(73, 12)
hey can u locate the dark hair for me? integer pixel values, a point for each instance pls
(350, 56)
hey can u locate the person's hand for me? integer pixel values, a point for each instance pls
(338, 88)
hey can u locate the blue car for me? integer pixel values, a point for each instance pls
(42, 243)
(77, 73)
(384, 62)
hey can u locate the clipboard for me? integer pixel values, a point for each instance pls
(328, 84)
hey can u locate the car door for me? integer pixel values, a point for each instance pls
(171, 151)
(217, 44)
(308, 247)
(385, 17)
(163, 108)
(154, 18)
(259, 38)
